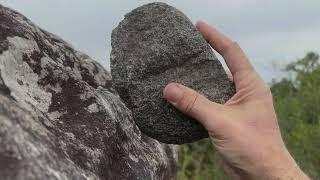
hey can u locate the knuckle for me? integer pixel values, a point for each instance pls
(188, 101)
(230, 46)
(226, 48)
(235, 44)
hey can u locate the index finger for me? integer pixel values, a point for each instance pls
(235, 58)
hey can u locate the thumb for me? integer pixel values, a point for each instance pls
(192, 103)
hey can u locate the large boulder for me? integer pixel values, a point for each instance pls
(60, 118)
(156, 44)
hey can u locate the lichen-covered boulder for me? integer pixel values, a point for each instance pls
(156, 44)
(60, 118)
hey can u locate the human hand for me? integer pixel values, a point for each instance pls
(244, 130)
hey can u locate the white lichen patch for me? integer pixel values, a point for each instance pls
(5, 121)
(56, 174)
(93, 108)
(70, 135)
(15, 72)
(102, 97)
(55, 115)
(133, 158)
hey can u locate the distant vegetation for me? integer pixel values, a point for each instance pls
(297, 102)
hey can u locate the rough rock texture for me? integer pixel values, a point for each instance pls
(156, 44)
(60, 118)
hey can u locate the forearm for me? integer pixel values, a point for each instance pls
(283, 167)
(287, 173)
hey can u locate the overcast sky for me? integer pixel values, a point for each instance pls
(272, 32)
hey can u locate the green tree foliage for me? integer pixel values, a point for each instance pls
(199, 161)
(297, 103)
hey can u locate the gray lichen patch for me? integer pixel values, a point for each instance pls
(4, 90)
(14, 70)
(154, 45)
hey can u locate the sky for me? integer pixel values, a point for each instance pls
(272, 32)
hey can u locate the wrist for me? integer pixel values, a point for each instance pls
(287, 171)
(282, 167)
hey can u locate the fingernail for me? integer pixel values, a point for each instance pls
(173, 93)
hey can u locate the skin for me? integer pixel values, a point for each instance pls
(245, 129)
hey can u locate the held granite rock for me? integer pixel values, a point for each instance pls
(60, 118)
(156, 44)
